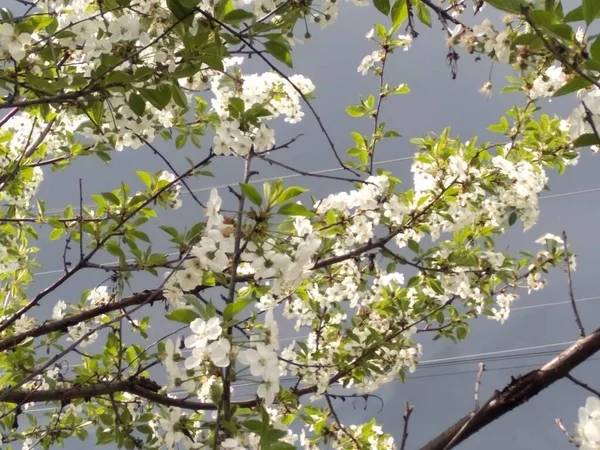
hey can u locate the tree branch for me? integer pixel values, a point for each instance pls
(518, 392)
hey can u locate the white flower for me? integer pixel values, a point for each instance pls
(219, 352)
(486, 89)
(588, 428)
(502, 47)
(203, 332)
(99, 296)
(261, 361)
(405, 41)
(172, 429)
(125, 28)
(269, 388)
(549, 237)
(369, 62)
(58, 312)
(232, 444)
(212, 209)
(76, 332)
(272, 330)
(370, 34)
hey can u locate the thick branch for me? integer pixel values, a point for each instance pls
(142, 388)
(518, 392)
(69, 321)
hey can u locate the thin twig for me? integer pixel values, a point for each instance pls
(304, 173)
(557, 54)
(407, 412)
(582, 384)
(246, 42)
(478, 384)
(339, 423)
(571, 295)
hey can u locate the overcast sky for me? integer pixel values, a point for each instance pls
(440, 393)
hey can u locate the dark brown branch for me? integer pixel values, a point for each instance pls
(143, 388)
(69, 321)
(518, 392)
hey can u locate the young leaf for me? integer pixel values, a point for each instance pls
(294, 209)
(355, 110)
(280, 51)
(232, 309)
(183, 315)
(399, 14)
(383, 6)
(591, 8)
(252, 193)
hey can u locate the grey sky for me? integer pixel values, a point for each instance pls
(436, 101)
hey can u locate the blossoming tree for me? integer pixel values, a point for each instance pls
(362, 271)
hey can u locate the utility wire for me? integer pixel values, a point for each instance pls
(564, 194)
(472, 358)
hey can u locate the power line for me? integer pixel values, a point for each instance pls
(261, 180)
(564, 194)
(441, 362)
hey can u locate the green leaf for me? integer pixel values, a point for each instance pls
(591, 8)
(236, 107)
(181, 140)
(145, 177)
(232, 309)
(279, 51)
(237, 15)
(114, 249)
(402, 89)
(574, 85)
(56, 234)
(183, 315)
(294, 209)
(461, 332)
(399, 14)
(512, 218)
(575, 15)
(96, 112)
(159, 97)
(355, 110)
(585, 140)
(252, 193)
(282, 446)
(290, 193)
(414, 246)
(182, 12)
(383, 6)
(143, 74)
(137, 103)
(595, 49)
(511, 6)
(423, 14)
(178, 96)
(111, 198)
